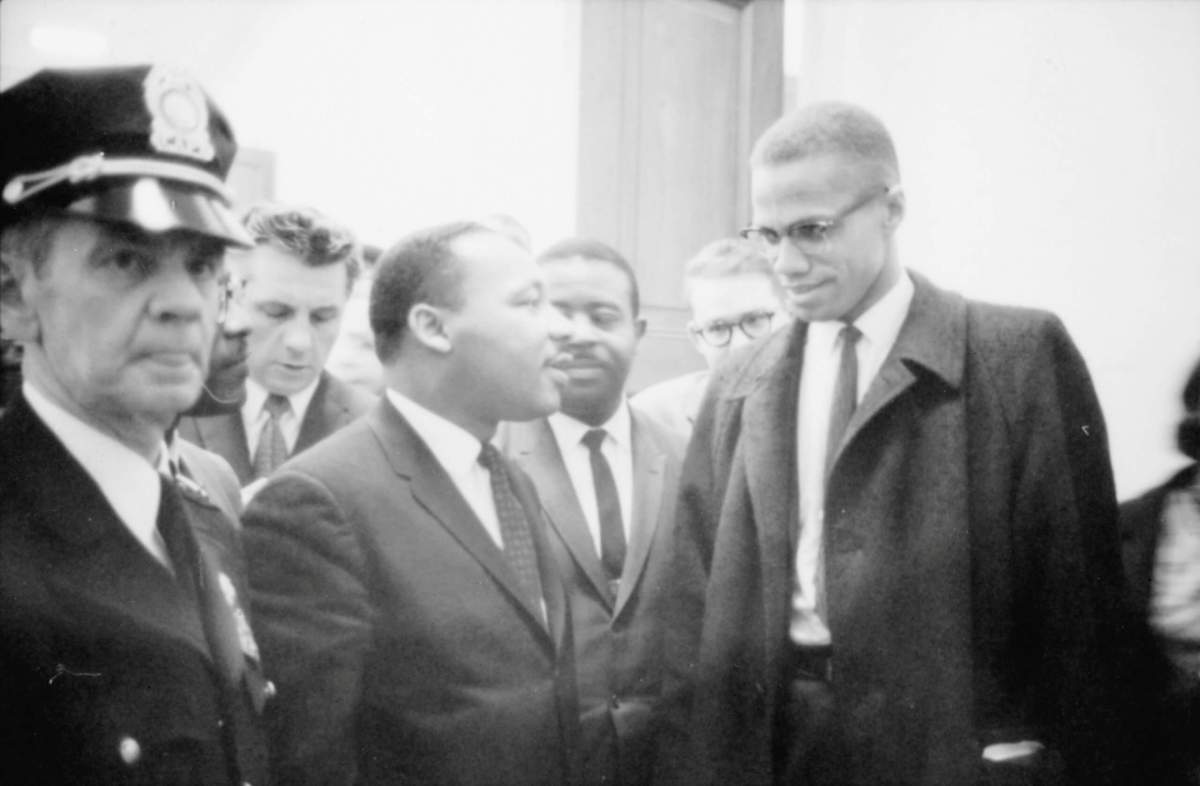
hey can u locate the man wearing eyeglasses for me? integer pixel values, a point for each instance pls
(897, 558)
(734, 299)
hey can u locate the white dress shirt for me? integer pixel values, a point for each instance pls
(126, 479)
(457, 451)
(255, 415)
(880, 326)
(617, 449)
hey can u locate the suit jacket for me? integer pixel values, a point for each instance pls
(674, 402)
(618, 645)
(109, 672)
(401, 642)
(333, 405)
(973, 577)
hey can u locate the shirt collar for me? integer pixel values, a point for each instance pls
(126, 479)
(455, 448)
(880, 324)
(256, 397)
(569, 431)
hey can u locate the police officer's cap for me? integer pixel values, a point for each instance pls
(142, 145)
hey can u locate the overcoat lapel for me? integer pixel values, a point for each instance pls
(429, 485)
(649, 465)
(769, 461)
(534, 444)
(322, 411)
(932, 338)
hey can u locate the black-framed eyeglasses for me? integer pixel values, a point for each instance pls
(719, 332)
(810, 235)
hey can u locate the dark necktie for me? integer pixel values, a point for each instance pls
(608, 506)
(200, 584)
(845, 395)
(272, 449)
(514, 527)
(172, 525)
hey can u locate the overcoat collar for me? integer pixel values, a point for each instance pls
(432, 488)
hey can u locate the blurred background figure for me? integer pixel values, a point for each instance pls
(353, 359)
(1161, 541)
(734, 299)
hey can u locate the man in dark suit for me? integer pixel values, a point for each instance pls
(607, 475)
(405, 595)
(293, 286)
(898, 558)
(125, 656)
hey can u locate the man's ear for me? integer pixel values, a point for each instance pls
(639, 327)
(896, 206)
(428, 325)
(18, 320)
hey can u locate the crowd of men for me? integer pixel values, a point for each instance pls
(875, 541)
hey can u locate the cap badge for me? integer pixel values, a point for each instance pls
(179, 114)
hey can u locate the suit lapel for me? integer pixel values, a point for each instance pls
(225, 435)
(534, 446)
(320, 414)
(433, 490)
(649, 466)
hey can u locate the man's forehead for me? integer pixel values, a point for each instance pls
(733, 296)
(810, 180)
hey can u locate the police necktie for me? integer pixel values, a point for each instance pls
(514, 527)
(845, 395)
(272, 449)
(198, 581)
(608, 506)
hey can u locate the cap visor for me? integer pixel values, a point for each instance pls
(164, 205)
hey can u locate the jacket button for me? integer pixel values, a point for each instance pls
(130, 750)
(269, 690)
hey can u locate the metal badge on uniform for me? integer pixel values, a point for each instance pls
(179, 113)
(245, 635)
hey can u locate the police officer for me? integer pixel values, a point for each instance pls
(125, 655)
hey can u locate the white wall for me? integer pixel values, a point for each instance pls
(1050, 151)
(387, 115)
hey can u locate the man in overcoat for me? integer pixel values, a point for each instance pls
(897, 557)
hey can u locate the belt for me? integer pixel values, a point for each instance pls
(811, 663)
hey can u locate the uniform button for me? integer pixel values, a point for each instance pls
(130, 750)
(269, 690)
(220, 723)
(614, 702)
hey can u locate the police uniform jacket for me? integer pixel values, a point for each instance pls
(109, 674)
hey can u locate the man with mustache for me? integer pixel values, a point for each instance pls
(607, 475)
(407, 601)
(897, 556)
(126, 656)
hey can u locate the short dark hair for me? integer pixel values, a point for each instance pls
(30, 238)
(307, 234)
(828, 127)
(586, 248)
(419, 268)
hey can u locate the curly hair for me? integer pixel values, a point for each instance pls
(304, 232)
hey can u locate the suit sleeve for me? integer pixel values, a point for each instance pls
(311, 616)
(1066, 519)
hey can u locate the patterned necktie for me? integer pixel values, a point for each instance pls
(845, 395)
(514, 527)
(608, 506)
(272, 449)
